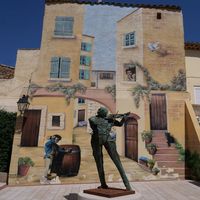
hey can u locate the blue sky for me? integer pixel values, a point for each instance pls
(21, 23)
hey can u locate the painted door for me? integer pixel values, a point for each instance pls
(30, 128)
(131, 139)
(81, 115)
(158, 112)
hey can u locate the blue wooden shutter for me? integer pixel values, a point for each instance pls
(65, 68)
(88, 47)
(87, 74)
(87, 60)
(54, 67)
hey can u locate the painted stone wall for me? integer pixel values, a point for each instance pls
(163, 63)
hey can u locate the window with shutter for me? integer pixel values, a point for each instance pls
(64, 26)
(60, 67)
(84, 74)
(85, 60)
(54, 67)
(86, 46)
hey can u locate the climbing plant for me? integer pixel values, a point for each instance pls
(178, 83)
(68, 91)
(111, 89)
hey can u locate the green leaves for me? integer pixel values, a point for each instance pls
(178, 83)
(7, 128)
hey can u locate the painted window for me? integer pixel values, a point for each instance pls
(197, 94)
(86, 46)
(129, 72)
(81, 101)
(64, 26)
(60, 67)
(85, 60)
(56, 121)
(129, 39)
(84, 74)
(106, 75)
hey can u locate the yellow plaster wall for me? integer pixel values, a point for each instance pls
(176, 114)
(192, 132)
(168, 31)
(54, 46)
(192, 61)
(58, 105)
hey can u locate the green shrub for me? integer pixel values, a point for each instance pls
(7, 129)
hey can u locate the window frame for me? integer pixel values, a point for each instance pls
(129, 39)
(59, 63)
(64, 23)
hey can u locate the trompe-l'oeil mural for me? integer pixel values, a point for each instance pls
(103, 57)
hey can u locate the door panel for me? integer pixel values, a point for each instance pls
(158, 112)
(131, 139)
(81, 115)
(30, 128)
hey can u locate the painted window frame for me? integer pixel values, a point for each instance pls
(106, 76)
(129, 66)
(85, 60)
(131, 41)
(64, 26)
(86, 46)
(50, 118)
(60, 68)
(84, 74)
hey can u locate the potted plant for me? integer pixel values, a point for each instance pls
(147, 136)
(24, 163)
(155, 171)
(151, 148)
(151, 164)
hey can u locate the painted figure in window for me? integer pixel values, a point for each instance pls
(130, 74)
(51, 149)
(102, 135)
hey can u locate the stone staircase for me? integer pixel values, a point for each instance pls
(167, 157)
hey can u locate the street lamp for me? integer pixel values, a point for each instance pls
(23, 104)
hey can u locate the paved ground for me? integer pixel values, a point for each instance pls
(151, 190)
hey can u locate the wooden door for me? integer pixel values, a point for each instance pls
(30, 128)
(158, 112)
(81, 115)
(131, 139)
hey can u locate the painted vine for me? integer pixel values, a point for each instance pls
(178, 83)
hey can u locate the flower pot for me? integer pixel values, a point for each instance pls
(152, 151)
(148, 140)
(23, 170)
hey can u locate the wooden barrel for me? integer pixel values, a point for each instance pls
(67, 164)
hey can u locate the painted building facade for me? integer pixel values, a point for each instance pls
(138, 51)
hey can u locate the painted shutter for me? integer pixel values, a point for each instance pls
(87, 60)
(64, 26)
(54, 67)
(88, 47)
(65, 68)
(87, 74)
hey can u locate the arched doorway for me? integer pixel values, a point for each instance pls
(131, 137)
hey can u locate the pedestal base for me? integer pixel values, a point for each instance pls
(113, 193)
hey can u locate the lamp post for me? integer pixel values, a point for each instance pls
(23, 104)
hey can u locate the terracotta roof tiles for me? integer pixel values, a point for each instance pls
(192, 46)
